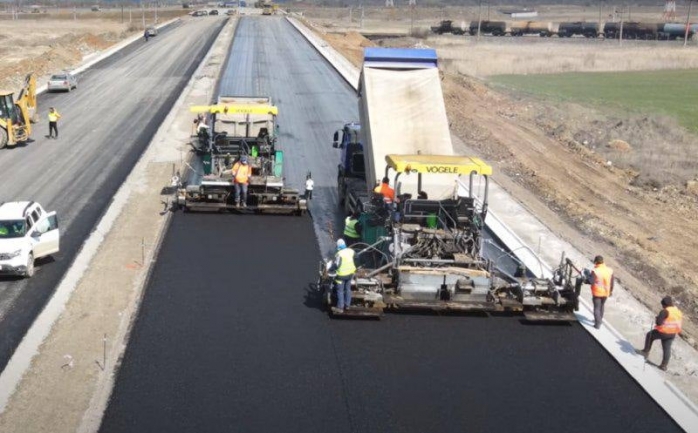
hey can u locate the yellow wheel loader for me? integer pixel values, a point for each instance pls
(16, 116)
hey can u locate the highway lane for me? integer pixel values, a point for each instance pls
(105, 126)
(230, 336)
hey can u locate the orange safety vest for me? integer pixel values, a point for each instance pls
(242, 172)
(386, 191)
(601, 282)
(672, 324)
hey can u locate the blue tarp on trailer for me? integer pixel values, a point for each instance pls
(400, 57)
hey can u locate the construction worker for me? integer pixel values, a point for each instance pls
(601, 280)
(309, 185)
(53, 117)
(667, 327)
(146, 35)
(385, 190)
(241, 179)
(352, 228)
(344, 266)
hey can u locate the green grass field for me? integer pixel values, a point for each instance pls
(673, 93)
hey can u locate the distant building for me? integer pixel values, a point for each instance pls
(532, 14)
(519, 13)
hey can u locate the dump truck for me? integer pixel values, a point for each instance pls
(363, 145)
(17, 115)
(424, 249)
(236, 127)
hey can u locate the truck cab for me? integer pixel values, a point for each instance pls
(351, 168)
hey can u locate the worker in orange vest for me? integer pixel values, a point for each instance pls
(241, 179)
(601, 280)
(385, 190)
(667, 327)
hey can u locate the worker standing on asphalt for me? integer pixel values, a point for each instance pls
(385, 190)
(667, 327)
(352, 228)
(601, 280)
(241, 178)
(146, 35)
(345, 268)
(53, 117)
(309, 185)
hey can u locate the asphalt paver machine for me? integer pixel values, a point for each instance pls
(424, 253)
(233, 128)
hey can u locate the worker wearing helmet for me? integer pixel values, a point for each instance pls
(385, 190)
(667, 327)
(344, 266)
(241, 179)
(601, 281)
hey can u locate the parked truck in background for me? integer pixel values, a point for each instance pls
(446, 26)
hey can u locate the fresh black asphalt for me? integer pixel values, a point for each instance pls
(230, 336)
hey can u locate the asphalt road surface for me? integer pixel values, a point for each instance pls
(105, 126)
(230, 335)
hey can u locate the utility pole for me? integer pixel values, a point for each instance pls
(143, 14)
(688, 23)
(361, 22)
(156, 12)
(600, 12)
(413, 4)
(620, 38)
(122, 13)
(479, 18)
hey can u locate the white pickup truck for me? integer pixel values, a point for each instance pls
(27, 233)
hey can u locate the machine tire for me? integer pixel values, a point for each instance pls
(3, 138)
(30, 266)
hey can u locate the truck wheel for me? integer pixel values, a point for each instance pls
(3, 138)
(30, 266)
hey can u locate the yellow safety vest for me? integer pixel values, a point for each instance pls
(350, 228)
(347, 266)
(53, 117)
(242, 172)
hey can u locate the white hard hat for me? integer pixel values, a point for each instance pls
(341, 244)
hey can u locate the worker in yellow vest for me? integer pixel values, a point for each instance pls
(242, 172)
(352, 228)
(667, 326)
(345, 268)
(53, 117)
(601, 280)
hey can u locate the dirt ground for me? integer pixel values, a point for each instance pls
(561, 153)
(47, 43)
